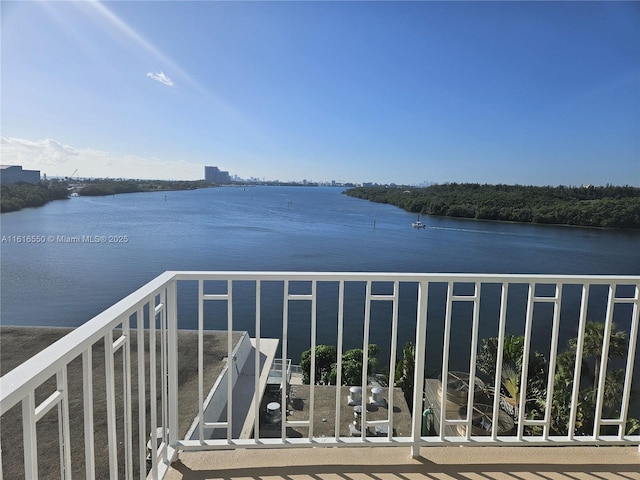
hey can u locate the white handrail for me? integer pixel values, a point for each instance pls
(15, 384)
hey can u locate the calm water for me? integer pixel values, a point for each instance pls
(273, 228)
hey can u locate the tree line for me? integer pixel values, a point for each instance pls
(94, 188)
(604, 206)
(22, 195)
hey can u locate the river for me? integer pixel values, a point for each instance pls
(65, 280)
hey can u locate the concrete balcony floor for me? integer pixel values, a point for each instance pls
(396, 463)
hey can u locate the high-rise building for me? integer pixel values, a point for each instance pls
(215, 175)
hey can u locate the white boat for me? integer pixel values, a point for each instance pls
(418, 224)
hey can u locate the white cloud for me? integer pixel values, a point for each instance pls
(56, 159)
(160, 77)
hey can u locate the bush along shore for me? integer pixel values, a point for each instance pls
(95, 188)
(22, 195)
(605, 207)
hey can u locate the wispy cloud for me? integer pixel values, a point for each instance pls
(123, 28)
(160, 77)
(120, 26)
(55, 159)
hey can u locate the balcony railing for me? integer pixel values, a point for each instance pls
(447, 317)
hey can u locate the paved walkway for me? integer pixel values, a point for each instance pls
(436, 463)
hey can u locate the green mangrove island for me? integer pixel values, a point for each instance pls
(22, 195)
(605, 207)
(94, 188)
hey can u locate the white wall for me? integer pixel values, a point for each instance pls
(216, 400)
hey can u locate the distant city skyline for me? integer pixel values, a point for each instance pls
(533, 93)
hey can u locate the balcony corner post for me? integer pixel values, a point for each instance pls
(172, 320)
(418, 379)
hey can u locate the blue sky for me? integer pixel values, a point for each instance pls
(540, 93)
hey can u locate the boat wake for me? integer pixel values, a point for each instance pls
(485, 232)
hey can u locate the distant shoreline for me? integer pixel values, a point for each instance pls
(606, 207)
(16, 197)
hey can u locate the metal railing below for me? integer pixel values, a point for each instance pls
(128, 406)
